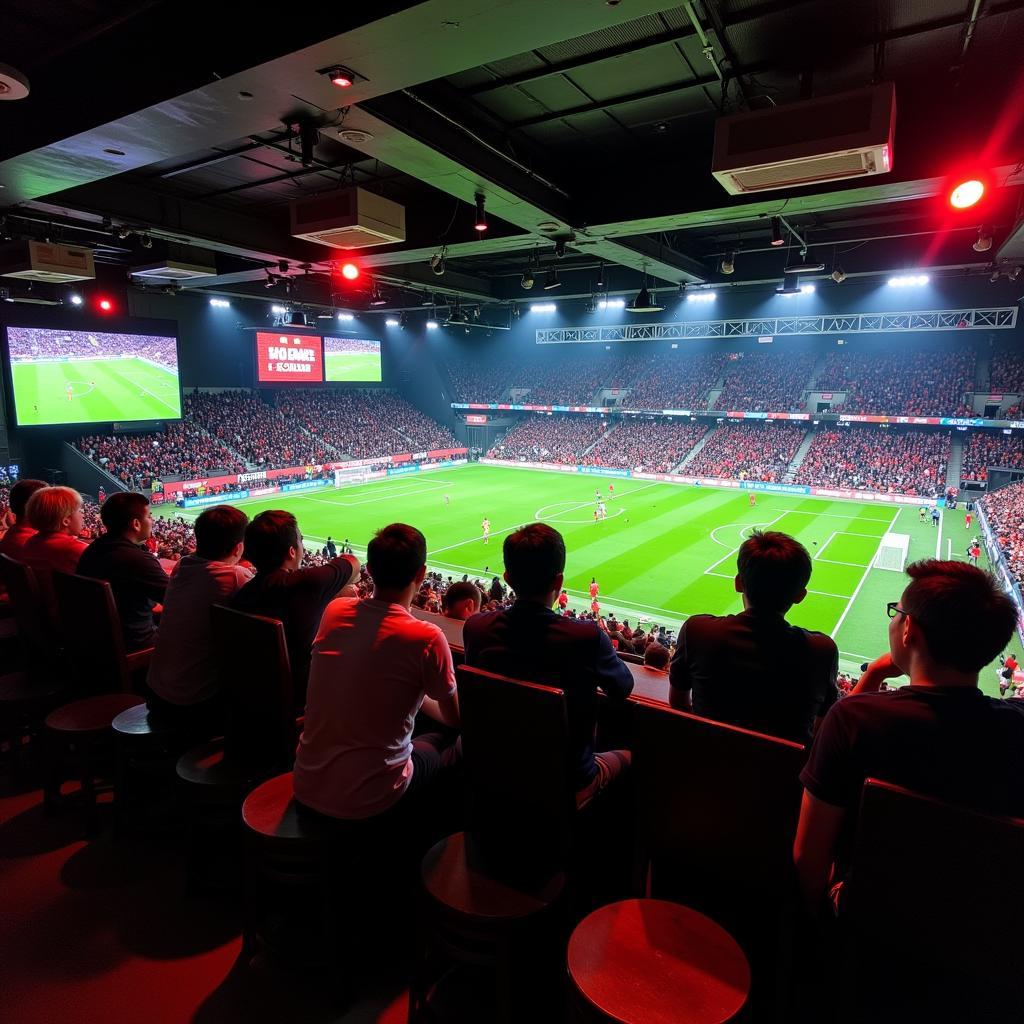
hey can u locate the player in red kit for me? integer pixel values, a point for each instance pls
(967, 520)
(753, 499)
(593, 587)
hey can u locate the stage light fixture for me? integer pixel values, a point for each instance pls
(591, 306)
(480, 224)
(838, 274)
(600, 286)
(123, 232)
(527, 280)
(340, 76)
(376, 297)
(551, 280)
(391, 322)
(75, 299)
(279, 310)
(559, 249)
(104, 305)
(777, 237)
(967, 193)
(431, 325)
(349, 271)
(994, 276)
(220, 303)
(700, 296)
(297, 318)
(728, 264)
(612, 304)
(803, 268)
(271, 281)
(543, 307)
(984, 242)
(146, 241)
(437, 261)
(345, 317)
(908, 280)
(427, 300)
(645, 302)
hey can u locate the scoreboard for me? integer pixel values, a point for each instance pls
(283, 358)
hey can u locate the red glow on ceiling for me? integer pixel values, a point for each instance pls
(966, 193)
(105, 305)
(349, 271)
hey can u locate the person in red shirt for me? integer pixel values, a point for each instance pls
(595, 607)
(593, 586)
(563, 601)
(967, 520)
(19, 531)
(56, 515)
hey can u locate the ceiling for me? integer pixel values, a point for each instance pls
(588, 121)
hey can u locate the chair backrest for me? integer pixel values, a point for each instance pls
(256, 681)
(93, 639)
(717, 809)
(941, 884)
(515, 746)
(30, 612)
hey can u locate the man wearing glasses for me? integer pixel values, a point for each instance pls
(940, 735)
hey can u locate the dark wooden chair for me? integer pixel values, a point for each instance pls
(932, 910)
(79, 735)
(493, 895)
(259, 740)
(26, 696)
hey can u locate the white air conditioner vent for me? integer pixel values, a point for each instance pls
(349, 218)
(46, 261)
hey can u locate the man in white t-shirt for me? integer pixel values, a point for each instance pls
(374, 666)
(183, 672)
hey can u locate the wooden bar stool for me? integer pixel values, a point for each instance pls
(655, 962)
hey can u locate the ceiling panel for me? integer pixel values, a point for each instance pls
(632, 73)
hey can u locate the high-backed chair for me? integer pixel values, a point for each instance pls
(79, 735)
(492, 894)
(932, 908)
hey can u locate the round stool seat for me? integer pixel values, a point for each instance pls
(271, 811)
(205, 765)
(454, 878)
(91, 714)
(135, 722)
(657, 962)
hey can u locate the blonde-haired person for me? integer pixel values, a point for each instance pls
(55, 513)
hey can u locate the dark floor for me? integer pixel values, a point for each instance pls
(102, 930)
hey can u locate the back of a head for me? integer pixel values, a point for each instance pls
(395, 555)
(119, 511)
(219, 530)
(460, 592)
(657, 656)
(774, 569)
(21, 492)
(534, 556)
(965, 616)
(269, 537)
(50, 506)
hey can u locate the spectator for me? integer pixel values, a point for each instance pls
(56, 514)
(134, 574)
(747, 451)
(18, 532)
(1005, 511)
(374, 666)
(657, 657)
(984, 450)
(560, 439)
(283, 590)
(754, 669)
(461, 600)
(183, 673)
(646, 445)
(940, 735)
(765, 381)
(531, 642)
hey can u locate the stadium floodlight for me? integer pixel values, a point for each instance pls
(700, 296)
(612, 304)
(391, 322)
(431, 325)
(75, 299)
(908, 280)
(279, 310)
(966, 194)
(543, 307)
(220, 303)
(345, 317)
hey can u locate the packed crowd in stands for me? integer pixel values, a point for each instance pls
(1006, 372)
(28, 343)
(983, 449)
(561, 439)
(869, 458)
(900, 383)
(765, 381)
(668, 380)
(747, 451)
(573, 377)
(652, 446)
(1005, 511)
(479, 380)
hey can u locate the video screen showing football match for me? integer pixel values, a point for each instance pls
(352, 359)
(62, 376)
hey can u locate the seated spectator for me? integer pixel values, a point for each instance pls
(940, 735)
(183, 673)
(529, 641)
(657, 657)
(747, 451)
(374, 666)
(18, 532)
(461, 600)
(135, 575)
(57, 516)
(283, 590)
(754, 669)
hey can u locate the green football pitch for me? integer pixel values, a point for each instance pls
(664, 551)
(102, 390)
(354, 366)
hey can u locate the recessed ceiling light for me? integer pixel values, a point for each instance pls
(547, 225)
(354, 135)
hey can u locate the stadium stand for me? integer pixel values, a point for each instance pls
(1005, 511)
(653, 446)
(983, 449)
(1007, 371)
(561, 439)
(667, 380)
(751, 451)
(765, 381)
(868, 458)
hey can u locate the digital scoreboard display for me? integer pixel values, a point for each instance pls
(289, 358)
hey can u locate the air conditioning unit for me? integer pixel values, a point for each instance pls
(812, 142)
(172, 270)
(350, 218)
(45, 261)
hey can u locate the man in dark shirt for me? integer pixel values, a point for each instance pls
(754, 669)
(529, 641)
(134, 574)
(940, 735)
(282, 590)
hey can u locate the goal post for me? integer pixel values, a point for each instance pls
(892, 552)
(349, 478)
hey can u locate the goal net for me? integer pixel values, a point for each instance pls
(892, 552)
(348, 478)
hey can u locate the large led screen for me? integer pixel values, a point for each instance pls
(289, 358)
(352, 359)
(62, 376)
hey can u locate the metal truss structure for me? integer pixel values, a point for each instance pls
(966, 318)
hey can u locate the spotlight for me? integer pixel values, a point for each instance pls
(75, 299)
(376, 298)
(403, 320)
(527, 281)
(777, 239)
(543, 307)
(600, 286)
(966, 194)
(838, 274)
(349, 271)
(645, 302)
(591, 305)
(728, 265)
(700, 296)
(345, 317)
(481, 216)
(559, 249)
(105, 305)
(437, 261)
(431, 325)
(427, 300)
(551, 280)
(803, 268)
(391, 322)
(908, 280)
(808, 289)
(340, 76)
(984, 242)
(612, 304)
(220, 303)
(271, 281)
(279, 310)
(146, 241)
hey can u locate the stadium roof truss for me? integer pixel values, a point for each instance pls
(966, 318)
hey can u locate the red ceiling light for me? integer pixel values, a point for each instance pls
(104, 305)
(349, 271)
(966, 193)
(343, 78)
(481, 214)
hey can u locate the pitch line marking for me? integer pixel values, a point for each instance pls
(831, 537)
(853, 597)
(752, 526)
